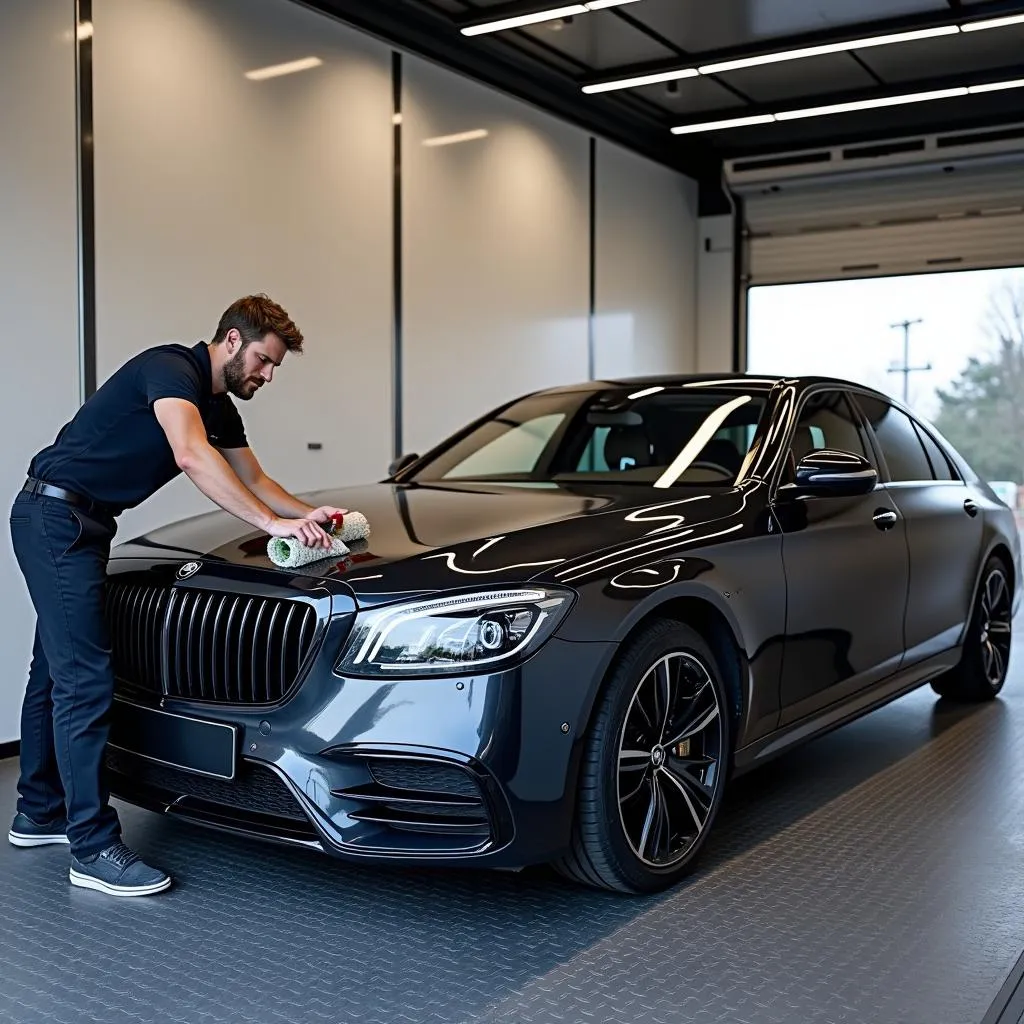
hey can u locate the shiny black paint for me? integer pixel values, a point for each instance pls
(805, 594)
(946, 549)
(849, 579)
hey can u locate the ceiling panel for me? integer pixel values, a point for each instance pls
(800, 78)
(948, 55)
(721, 24)
(600, 40)
(550, 60)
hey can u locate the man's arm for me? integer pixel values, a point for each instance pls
(212, 474)
(269, 491)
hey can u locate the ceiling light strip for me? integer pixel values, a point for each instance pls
(843, 108)
(981, 26)
(825, 48)
(802, 53)
(631, 83)
(537, 17)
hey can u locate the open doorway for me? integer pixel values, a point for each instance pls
(951, 345)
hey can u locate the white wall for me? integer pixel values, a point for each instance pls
(38, 281)
(496, 252)
(210, 186)
(715, 272)
(646, 267)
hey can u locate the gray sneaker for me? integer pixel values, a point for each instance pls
(118, 871)
(26, 833)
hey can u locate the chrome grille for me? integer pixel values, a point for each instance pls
(208, 646)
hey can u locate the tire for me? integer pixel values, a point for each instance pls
(664, 821)
(986, 650)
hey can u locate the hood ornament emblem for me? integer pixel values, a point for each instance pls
(189, 569)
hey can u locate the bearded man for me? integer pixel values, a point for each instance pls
(168, 410)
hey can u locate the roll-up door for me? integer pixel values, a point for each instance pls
(953, 211)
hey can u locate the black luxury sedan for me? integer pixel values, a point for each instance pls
(570, 624)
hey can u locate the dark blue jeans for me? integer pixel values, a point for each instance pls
(65, 717)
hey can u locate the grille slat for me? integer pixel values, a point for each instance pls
(208, 646)
(134, 639)
(284, 640)
(240, 659)
(193, 657)
(215, 644)
(253, 659)
(271, 636)
(201, 653)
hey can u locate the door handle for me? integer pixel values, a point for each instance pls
(970, 508)
(884, 519)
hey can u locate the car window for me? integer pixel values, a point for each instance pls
(901, 446)
(658, 436)
(826, 420)
(941, 468)
(514, 451)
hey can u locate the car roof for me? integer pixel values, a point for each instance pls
(760, 383)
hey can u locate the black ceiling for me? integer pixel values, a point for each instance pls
(548, 64)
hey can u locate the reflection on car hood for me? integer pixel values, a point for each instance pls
(436, 536)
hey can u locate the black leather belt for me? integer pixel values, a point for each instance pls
(33, 486)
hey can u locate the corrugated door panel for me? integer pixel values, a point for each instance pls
(965, 244)
(895, 223)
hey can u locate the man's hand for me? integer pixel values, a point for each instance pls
(325, 513)
(303, 530)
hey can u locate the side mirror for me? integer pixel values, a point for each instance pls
(830, 473)
(401, 462)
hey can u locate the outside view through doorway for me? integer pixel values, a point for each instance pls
(964, 364)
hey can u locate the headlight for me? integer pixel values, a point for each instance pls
(484, 631)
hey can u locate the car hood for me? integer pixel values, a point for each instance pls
(426, 537)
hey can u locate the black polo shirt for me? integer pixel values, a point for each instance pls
(114, 449)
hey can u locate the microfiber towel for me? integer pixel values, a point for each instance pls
(289, 553)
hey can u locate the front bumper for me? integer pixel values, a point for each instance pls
(478, 769)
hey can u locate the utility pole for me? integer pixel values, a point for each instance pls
(906, 369)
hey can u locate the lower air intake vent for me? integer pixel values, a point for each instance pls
(413, 804)
(256, 792)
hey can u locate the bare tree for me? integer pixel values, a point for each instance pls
(982, 412)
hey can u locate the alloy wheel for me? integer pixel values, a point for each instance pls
(671, 750)
(996, 627)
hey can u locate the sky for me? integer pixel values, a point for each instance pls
(842, 329)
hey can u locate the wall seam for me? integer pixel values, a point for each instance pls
(86, 199)
(397, 266)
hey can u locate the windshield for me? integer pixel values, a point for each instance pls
(656, 437)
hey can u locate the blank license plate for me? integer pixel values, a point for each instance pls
(209, 748)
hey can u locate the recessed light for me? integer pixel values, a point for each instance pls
(290, 68)
(450, 140)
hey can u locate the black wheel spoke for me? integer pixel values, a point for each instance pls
(644, 777)
(996, 590)
(698, 818)
(696, 722)
(664, 688)
(687, 772)
(649, 818)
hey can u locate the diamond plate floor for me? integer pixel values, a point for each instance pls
(876, 875)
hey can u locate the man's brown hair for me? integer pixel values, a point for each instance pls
(256, 316)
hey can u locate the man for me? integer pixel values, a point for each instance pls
(167, 410)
